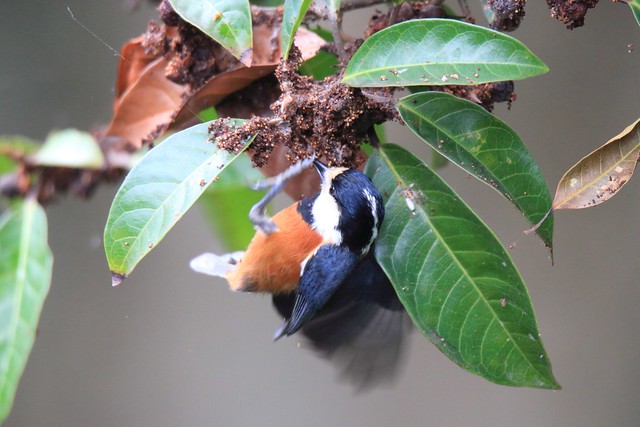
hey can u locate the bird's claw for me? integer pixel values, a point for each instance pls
(260, 220)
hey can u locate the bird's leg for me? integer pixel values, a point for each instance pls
(260, 220)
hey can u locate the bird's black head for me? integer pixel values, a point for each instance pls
(348, 210)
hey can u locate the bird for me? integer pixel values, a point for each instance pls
(316, 258)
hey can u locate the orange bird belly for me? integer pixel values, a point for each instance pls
(271, 263)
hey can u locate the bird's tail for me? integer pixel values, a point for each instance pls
(216, 265)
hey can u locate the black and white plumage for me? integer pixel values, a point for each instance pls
(362, 328)
(316, 258)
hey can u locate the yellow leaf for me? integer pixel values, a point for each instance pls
(599, 175)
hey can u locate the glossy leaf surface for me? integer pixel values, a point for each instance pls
(294, 11)
(157, 192)
(635, 9)
(226, 21)
(484, 146)
(454, 277)
(70, 148)
(598, 176)
(439, 52)
(322, 65)
(25, 277)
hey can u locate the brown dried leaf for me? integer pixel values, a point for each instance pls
(133, 60)
(151, 103)
(266, 55)
(598, 176)
(307, 41)
(146, 105)
(216, 89)
(266, 46)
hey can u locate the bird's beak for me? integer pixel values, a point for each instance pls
(321, 168)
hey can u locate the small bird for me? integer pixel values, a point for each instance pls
(315, 257)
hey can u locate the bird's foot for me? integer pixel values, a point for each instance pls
(257, 215)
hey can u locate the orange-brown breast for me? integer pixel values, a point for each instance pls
(272, 263)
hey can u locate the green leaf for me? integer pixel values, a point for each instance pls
(16, 145)
(325, 34)
(70, 148)
(381, 133)
(208, 114)
(322, 65)
(226, 21)
(635, 9)
(294, 11)
(485, 147)
(227, 204)
(157, 192)
(439, 52)
(25, 277)
(454, 277)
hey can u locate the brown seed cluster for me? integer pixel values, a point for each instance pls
(194, 56)
(486, 95)
(156, 41)
(324, 118)
(507, 14)
(328, 118)
(233, 138)
(571, 12)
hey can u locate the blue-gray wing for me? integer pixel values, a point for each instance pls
(362, 329)
(323, 274)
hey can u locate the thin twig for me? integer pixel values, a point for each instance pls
(15, 154)
(464, 7)
(393, 14)
(318, 11)
(359, 4)
(9, 184)
(336, 29)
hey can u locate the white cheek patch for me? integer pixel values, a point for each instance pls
(303, 265)
(326, 217)
(373, 205)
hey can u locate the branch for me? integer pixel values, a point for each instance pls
(9, 185)
(320, 12)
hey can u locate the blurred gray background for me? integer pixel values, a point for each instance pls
(170, 347)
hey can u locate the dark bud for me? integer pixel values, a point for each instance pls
(502, 91)
(428, 10)
(168, 15)
(571, 12)
(508, 14)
